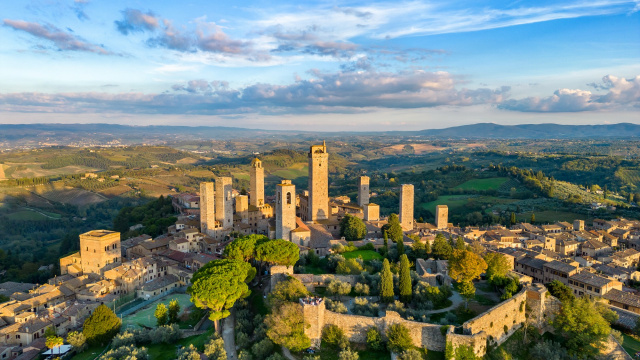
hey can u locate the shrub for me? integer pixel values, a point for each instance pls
(348, 354)
(124, 339)
(214, 349)
(188, 353)
(362, 289)
(125, 353)
(165, 334)
(374, 339)
(77, 340)
(262, 349)
(336, 306)
(276, 356)
(361, 306)
(399, 338)
(333, 335)
(101, 326)
(411, 354)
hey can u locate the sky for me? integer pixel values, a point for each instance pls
(320, 65)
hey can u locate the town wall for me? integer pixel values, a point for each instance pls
(499, 322)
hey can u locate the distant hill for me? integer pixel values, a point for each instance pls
(93, 134)
(535, 131)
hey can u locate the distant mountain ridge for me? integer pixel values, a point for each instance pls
(72, 133)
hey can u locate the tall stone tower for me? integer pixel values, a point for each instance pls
(371, 212)
(257, 183)
(406, 207)
(363, 191)
(207, 207)
(99, 251)
(578, 225)
(285, 209)
(442, 217)
(242, 208)
(224, 202)
(318, 182)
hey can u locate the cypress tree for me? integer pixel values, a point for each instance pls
(400, 247)
(405, 279)
(460, 244)
(513, 218)
(386, 283)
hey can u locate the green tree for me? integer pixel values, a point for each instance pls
(174, 311)
(188, 353)
(286, 325)
(374, 339)
(352, 228)
(349, 267)
(243, 248)
(497, 265)
(54, 342)
(513, 218)
(101, 326)
(582, 327)
(465, 352)
(400, 247)
(385, 236)
(561, 291)
(533, 218)
(405, 280)
(278, 252)
(386, 283)
(464, 267)
(161, 314)
(393, 228)
(289, 290)
(348, 354)
(340, 288)
(460, 244)
(218, 284)
(334, 336)
(399, 338)
(77, 340)
(262, 349)
(441, 247)
(411, 354)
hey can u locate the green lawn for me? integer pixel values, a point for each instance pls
(455, 202)
(89, 354)
(168, 351)
(316, 270)
(365, 254)
(145, 315)
(551, 216)
(630, 344)
(26, 215)
(482, 184)
(294, 171)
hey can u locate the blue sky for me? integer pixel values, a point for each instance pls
(320, 65)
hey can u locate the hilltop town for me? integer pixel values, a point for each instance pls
(128, 275)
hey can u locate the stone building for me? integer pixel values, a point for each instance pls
(442, 217)
(371, 212)
(363, 191)
(318, 183)
(242, 208)
(99, 251)
(578, 225)
(406, 207)
(256, 183)
(207, 207)
(224, 202)
(285, 209)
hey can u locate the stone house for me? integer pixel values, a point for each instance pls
(558, 270)
(531, 267)
(623, 300)
(585, 283)
(595, 248)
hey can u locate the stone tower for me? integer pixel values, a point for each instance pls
(242, 208)
(363, 191)
(318, 182)
(578, 225)
(313, 313)
(406, 207)
(207, 207)
(371, 212)
(257, 183)
(99, 251)
(442, 216)
(224, 202)
(285, 209)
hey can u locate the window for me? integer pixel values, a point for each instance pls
(288, 198)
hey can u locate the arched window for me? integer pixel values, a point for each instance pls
(288, 198)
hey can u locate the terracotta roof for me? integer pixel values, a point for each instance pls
(622, 297)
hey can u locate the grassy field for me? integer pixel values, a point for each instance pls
(365, 254)
(89, 354)
(145, 315)
(482, 184)
(30, 214)
(551, 216)
(459, 201)
(292, 172)
(168, 351)
(630, 344)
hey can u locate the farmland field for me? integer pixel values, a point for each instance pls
(65, 195)
(2, 171)
(17, 171)
(551, 216)
(294, 171)
(458, 201)
(482, 184)
(27, 215)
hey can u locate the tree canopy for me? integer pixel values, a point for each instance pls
(218, 284)
(405, 279)
(278, 252)
(441, 247)
(352, 228)
(466, 266)
(286, 327)
(393, 229)
(582, 326)
(243, 248)
(497, 265)
(386, 282)
(101, 326)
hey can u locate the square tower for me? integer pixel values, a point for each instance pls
(442, 217)
(285, 209)
(224, 202)
(318, 183)
(99, 251)
(371, 212)
(207, 207)
(256, 186)
(363, 191)
(406, 207)
(242, 208)
(578, 225)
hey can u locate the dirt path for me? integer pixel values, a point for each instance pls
(228, 335)
(287, 353)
